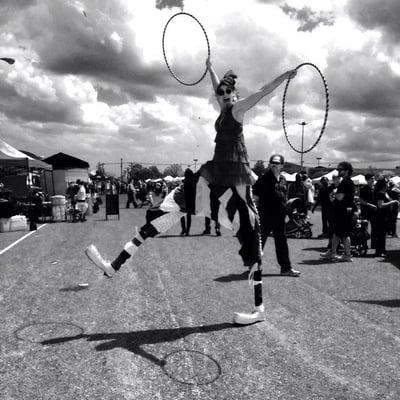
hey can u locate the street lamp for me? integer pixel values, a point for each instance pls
(8, 60)
(302, 140)
(195, 163)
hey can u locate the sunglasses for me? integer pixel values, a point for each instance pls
(275, 163)
(221, 92)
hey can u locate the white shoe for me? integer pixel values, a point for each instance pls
(345, 258)
(245, 319)
(94, 256)
(327, 254)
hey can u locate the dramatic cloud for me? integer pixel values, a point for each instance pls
(169, 4)
(383, 14)
(308, 18)
(90, 78)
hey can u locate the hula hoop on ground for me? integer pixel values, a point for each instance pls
(326, 109)
(165, 56)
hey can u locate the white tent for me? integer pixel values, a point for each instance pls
(168, 178)
(359, 180)
(395, 180)
(289, 177)
(329, 175)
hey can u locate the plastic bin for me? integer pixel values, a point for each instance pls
(15, 223)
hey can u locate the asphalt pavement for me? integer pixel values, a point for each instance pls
(162, 327)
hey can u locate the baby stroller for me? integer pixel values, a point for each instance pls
(298, 225)
(359, 237)
(145, 197)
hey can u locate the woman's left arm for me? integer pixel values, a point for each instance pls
(243, 105)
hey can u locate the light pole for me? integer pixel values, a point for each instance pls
(318, 160)
(195, 163)
(302, 141)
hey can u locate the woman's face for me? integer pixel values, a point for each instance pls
(226, 95)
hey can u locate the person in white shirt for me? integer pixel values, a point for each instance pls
(81, 205)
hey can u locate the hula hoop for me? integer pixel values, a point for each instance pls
(326, 109)
(165, 56)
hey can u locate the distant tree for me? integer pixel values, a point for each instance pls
(259, 168)
(134, 171)
(174, 170)
(155, 173)
(145, 173)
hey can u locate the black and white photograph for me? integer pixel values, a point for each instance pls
(199, 199)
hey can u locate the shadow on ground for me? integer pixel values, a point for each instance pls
(180, 236)
(384, 303)
(393, 257)
(133, 341)
(240, 277)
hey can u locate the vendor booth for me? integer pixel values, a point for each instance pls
(66, 169)
(20, 172)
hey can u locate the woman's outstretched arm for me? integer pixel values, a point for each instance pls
(245, 104)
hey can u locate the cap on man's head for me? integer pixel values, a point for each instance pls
(276, 158)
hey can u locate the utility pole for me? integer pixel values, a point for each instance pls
(195, 163)
(120, 186)
(318, 160)
(302, 141)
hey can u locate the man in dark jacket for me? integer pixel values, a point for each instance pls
(270, 197)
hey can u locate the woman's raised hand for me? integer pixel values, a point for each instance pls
(208, 62)
(290, 74)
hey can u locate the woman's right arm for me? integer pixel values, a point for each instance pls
(213, 75)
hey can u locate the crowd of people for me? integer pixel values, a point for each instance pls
(377, 203)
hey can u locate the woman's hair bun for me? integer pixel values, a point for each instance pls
(229, 79)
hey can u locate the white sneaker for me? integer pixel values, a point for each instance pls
(345, 258)
(245, 319)
(94, 256)
(327, 254)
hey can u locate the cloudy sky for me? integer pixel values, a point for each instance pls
(90, 78)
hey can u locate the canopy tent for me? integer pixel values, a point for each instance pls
(65, 161)
(20, 171)
(289, 177)
(359, 179)
(168, 178)
(66, 169)
(10, 156)
(395, 179)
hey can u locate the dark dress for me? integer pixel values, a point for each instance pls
(230, 170)
(343, 210)
(230, 164)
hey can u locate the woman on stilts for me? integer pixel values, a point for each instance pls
(227, 177)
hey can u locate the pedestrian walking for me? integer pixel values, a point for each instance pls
(131, 194)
